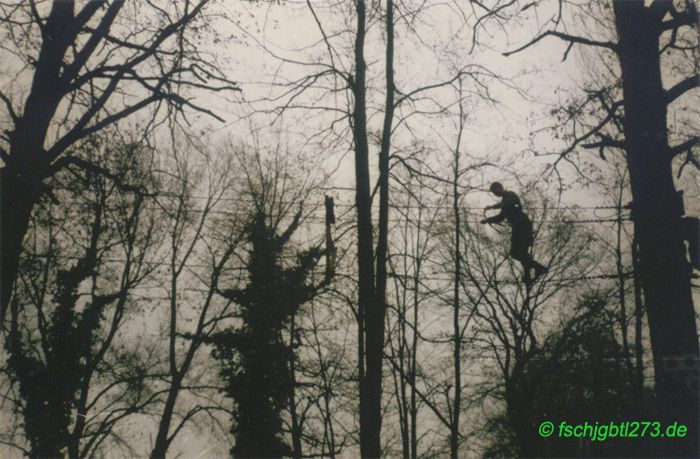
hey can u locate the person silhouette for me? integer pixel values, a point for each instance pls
(521, 230)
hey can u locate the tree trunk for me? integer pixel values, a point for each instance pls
(638, 322)
(457, 350)
(621, 292)
(372, 291)
(657, 210)
(375, 315)
(296, 428)
(160, 448)
(17, 198)
(414, 352)
(21, 178)
(369, 437)
(519, 415)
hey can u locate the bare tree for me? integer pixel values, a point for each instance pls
(624, 252)
(372, 283)
(509, 317)
(339, 87)
(259, 357)
(646, 34)
(412, 245)
(91, 65)
(200, 242)
(326, 390)
(87, 255)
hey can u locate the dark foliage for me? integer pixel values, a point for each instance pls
(255, 358)
(55, 358)
(579, 375)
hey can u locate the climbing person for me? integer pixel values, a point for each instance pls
(521, 230)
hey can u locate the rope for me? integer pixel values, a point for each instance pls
(400, 206)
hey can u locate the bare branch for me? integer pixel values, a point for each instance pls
(689, 17)
(683, 147)
(8, 104)
(88, 166)
(80, 131)
(102, 29)
(689, 159)
(682, 87)
(565, 36)
(605, 141)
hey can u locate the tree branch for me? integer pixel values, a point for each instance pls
(36, 16)
(682, 87)
(8, 104)
(96, 36)
(683, 147)
(688, 17)
(605, 141)
(79, 132)
(689, 159)
(87, 13)
(88, 166)
(564, 36)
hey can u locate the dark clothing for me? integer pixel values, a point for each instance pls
(511, 209)
(521, 232)
(521, 235)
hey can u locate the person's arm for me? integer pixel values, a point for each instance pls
(495, 219)
(508, 201)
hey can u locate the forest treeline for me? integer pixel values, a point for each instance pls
(168, 290)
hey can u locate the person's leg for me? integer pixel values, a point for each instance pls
(524, 239)
(527, 278)
(539, 269)
(518, 251)
(529, 264)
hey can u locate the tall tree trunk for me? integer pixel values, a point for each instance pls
(376, 316)
(17, 198)
(372, 291)
(414, 347)
(620, 269)
(296, 428)
(664, 269)
(638, 322)
(457, 351)
(404, 366)
(365, 250)
(43, 424)
(21, 178)
(160, 448)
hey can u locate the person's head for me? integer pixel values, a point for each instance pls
(497, 189)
